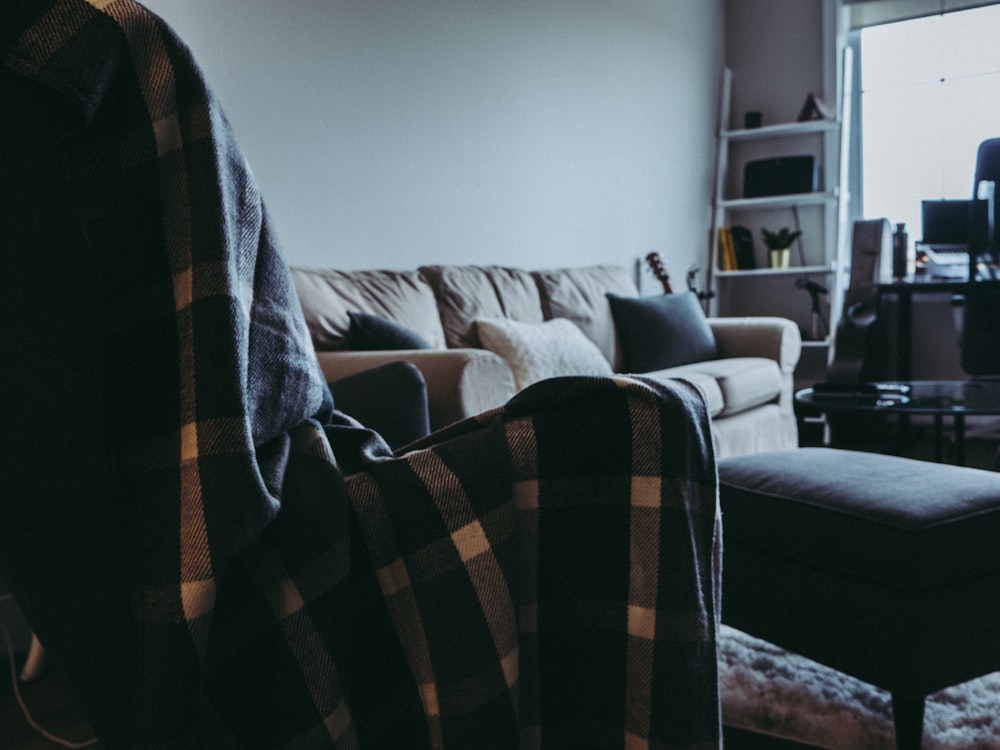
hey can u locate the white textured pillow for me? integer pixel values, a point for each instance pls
(536, 351)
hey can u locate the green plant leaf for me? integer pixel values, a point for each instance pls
(781, 239)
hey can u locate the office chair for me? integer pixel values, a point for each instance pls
(980, 345)
(212, 553)
(980, 333)
(987, 162)
(988, 169)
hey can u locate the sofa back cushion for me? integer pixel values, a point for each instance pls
(327, 296)
(466, 294)
(580, 294)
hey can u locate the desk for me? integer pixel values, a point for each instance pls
(904, 291)
(939, 398)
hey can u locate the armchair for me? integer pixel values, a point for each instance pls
(224, 560)
(390, 399)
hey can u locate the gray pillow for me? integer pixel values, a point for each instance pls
(369, 332)
(662, 331)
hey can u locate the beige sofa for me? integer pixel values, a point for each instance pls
(748, 388)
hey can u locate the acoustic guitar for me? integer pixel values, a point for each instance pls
(659, 271)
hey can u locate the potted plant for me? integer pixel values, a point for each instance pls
(779, 245)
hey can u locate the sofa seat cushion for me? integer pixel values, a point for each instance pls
(731, 385)
(327, 296)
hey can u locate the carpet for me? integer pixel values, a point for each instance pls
(768, 690)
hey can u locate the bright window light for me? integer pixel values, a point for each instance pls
(930, 95)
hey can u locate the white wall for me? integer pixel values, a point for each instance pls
(391, 133)
(775, 49)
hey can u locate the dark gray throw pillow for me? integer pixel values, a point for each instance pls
(369, 332)
(662, 331)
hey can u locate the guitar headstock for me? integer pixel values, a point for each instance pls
(659, 271)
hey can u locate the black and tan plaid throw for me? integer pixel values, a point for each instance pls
(545, 575)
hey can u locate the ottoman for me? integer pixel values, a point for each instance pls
(885, 568)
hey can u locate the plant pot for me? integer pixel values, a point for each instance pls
(780, 258)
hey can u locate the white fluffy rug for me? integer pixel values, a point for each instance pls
(768, 690)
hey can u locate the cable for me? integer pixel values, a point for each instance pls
(814, 289)
(20, 699)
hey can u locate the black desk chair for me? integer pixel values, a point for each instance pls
(988, 169)
(980, 331)
(980, 340)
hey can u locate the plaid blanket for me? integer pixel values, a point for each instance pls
(545, 575)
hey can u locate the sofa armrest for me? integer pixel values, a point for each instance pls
(460, 382)
(759, 336)
(763, 336)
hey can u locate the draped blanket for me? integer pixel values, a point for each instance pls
(544, 575)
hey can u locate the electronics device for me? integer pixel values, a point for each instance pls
(950, 265)
(945, 224)
(958, 234)
(785, 175)
(945, 241)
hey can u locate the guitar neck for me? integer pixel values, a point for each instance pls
(659, 271)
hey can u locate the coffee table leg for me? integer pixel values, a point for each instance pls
(959, 439)
(938, 439)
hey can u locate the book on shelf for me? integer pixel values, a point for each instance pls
(727, 253)
(743, 248)
(736, 252)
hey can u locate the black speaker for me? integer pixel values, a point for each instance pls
(783, 175)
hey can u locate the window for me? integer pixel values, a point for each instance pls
(930, 93)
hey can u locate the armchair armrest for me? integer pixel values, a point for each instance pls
(759, 336)
(460, 382)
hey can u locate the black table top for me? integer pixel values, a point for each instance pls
(923, 397)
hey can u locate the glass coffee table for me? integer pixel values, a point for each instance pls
(938, 398)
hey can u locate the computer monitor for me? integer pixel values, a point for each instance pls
(958, 235)
(945, 221)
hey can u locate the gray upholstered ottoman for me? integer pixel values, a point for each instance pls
(885, 568)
